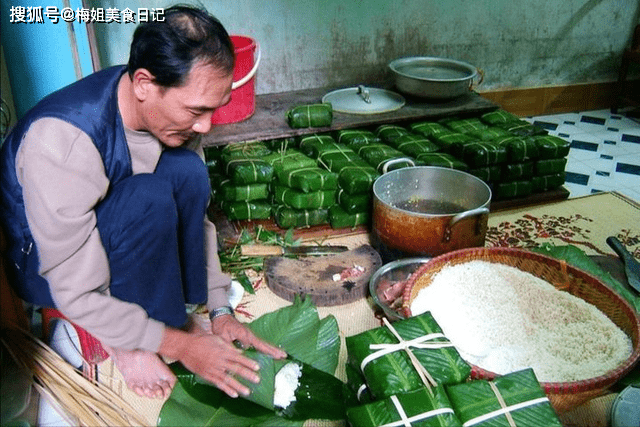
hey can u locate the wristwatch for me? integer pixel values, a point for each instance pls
(220, 311)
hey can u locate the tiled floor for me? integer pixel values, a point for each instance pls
(605, 151)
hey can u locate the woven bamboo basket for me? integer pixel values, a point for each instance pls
(564, 396)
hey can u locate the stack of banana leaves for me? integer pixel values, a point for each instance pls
(313, 346)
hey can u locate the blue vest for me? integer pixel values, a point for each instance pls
(90, 104)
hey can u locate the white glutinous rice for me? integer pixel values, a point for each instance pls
(286, 384)
(504, 319)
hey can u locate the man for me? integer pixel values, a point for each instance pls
(105, 207)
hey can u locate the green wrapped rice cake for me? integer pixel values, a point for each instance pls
(550, 166)
(354, 203)
(383, 357)
(311, 145)
(309, 179)
(310, 116)
(241, 211)
(248, 171)
(297, 199)
(517, 396)
(498, 116)
(522, 128)
(488, 174)
(519, 149)
(357, 177)
(235, 193)
(339, 218)
(389, 133)
(413, 145)
(419, 408)
(465, 125)
(512, 172)
(443, 160)
(428, 129)
(355, 138)
(547, 182)
(509, 190)
(479, 154)
(551, 147)
(447, 140)
(489, 134)
(298, 218)
(244, 150)
(377, 155)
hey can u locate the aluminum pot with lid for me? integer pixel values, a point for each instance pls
(428, 210)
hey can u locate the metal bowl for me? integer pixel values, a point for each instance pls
(432, 77)
(387, 285)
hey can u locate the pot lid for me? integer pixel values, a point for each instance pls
(364, 100)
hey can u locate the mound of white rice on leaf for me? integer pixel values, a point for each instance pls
(503, 319)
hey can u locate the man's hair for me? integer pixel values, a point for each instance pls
(170, 48)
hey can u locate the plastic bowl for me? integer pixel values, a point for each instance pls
(387, 285)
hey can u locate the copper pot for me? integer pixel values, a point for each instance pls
(428, 210)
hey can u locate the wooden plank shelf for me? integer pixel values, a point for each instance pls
(268, 121)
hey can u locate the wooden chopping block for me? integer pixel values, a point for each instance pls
(315, 276)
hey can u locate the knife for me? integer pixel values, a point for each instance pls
(631, 266)
(274, 250)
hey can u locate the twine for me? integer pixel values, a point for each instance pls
(406, 421)
(420, 342)
(504, 410)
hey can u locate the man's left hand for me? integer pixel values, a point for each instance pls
(230, 329)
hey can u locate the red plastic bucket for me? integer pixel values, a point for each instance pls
(243, 96)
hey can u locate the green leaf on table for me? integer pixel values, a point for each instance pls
(579, 259)
(244, 280)
(295, 328)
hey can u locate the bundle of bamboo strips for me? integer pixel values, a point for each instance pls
(82, 402)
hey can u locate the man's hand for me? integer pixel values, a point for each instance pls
(212, 357)
(230, 329)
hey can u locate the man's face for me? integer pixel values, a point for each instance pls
(177, 114)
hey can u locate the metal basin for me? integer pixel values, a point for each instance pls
(432, 77)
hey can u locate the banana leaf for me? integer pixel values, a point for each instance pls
(310, 116)
(550, 166)
(356, 391)
(298, 330)
(421, 407)
(551, 147)
(578, 258)
(339, 218)
(547, 182)
(476, 399)
(392, 372)
(444, 160)
(311, 145)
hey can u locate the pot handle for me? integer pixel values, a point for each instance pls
(385, 167)
(480, 72)
(250, 74)
(460, 216)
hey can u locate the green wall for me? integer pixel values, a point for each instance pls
(332, 43)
